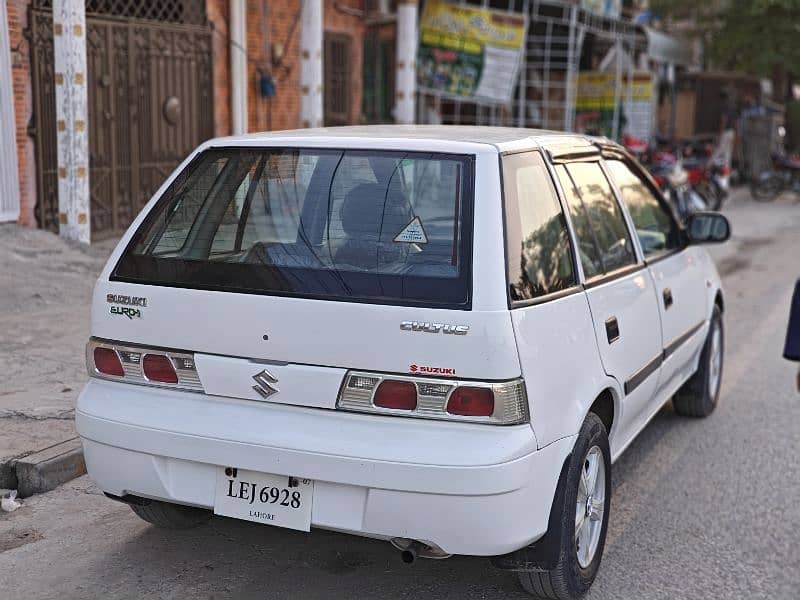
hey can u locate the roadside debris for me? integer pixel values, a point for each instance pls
(9, 502)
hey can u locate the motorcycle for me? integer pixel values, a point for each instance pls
(708, 175)
(673, 178)
(784, 176)
(709, 179)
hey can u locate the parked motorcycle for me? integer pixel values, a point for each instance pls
(708, 175)
(784, 176)
(670, 174)
(709, 178)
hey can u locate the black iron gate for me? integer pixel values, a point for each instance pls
(149, 70)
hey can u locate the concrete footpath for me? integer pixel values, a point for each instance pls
(45, 289)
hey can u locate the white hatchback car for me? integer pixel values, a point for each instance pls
(437, 336)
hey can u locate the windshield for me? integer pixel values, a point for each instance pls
(345, 224)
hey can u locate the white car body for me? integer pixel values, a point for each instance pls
(460, 487)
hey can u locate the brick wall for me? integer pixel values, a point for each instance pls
(337, 21)
(273, 26)
(23, 108)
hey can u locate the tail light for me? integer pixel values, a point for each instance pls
(503, 403)
(470, 401)
(107, 362)
(146, 366)
(158, 367)
(397, 395)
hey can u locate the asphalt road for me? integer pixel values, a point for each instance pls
(701, 508)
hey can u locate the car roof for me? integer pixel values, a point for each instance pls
(501, 138)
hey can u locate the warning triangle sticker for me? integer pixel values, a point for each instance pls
(413, 233)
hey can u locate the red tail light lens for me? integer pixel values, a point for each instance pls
(107, 362)
(399, 395)
(157, 367)
(471, 402)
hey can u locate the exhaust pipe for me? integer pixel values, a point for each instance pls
(409, 555)
(411, 550)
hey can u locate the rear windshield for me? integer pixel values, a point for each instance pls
(372, 226)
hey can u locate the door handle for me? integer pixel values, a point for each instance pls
(612, 329)
(667, 294)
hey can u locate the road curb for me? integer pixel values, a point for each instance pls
(45, 469)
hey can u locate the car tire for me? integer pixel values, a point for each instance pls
(579, 554)
(765, 187)
(171, 516)
(698, 396)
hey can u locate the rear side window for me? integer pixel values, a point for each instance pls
(539, 257)
(602, 235)
(389, 227)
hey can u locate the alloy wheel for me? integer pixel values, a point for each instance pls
(590, 506)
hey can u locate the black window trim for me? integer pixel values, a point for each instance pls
(466, 237)
(573, 289)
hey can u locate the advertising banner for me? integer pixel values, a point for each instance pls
(607, 8)
(594, 104)
(470, 53)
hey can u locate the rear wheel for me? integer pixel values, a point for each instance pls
(721, 190)
(698, 396)
(171, 516)
(765, 187)
(584, 519)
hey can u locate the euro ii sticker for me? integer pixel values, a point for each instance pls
(413, 233)
(126, 311)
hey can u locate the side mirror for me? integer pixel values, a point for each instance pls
(708, 227)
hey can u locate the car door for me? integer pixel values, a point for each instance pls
(621, 293)
(674, 267)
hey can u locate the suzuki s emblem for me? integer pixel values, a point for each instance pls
(265, 384)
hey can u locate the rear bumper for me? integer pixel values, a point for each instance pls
(469, 489)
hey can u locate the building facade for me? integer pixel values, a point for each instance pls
(160, 80)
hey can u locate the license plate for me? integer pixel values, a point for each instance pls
(271, 499)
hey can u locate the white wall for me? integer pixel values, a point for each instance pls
(9, 180)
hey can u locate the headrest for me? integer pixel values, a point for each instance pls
(362, 210)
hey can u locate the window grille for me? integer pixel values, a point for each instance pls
(187, 12)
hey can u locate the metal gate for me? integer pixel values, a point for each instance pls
(149, 79)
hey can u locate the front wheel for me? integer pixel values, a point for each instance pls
(584, 519)
(698, 396)
(710, 194)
